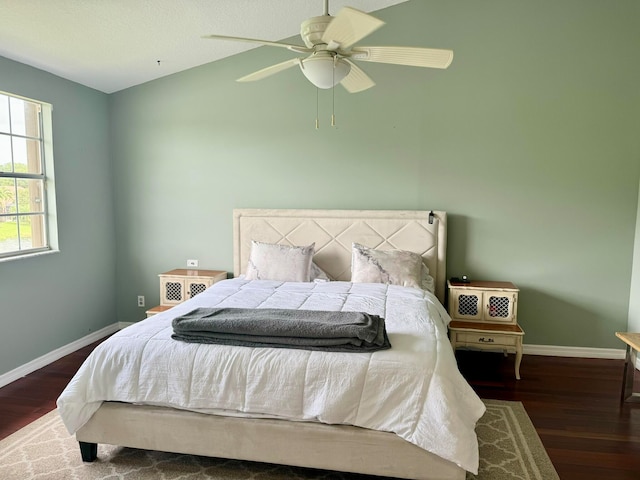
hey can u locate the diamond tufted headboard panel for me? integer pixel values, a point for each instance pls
(333, 232)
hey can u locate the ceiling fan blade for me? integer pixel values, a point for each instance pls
(268, 71)
(413, 56)
(357, 80)
(288, 46)
(349, 26)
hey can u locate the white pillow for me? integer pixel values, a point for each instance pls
(394, 267)
(428, 283)
(268, 261)
(317, 274)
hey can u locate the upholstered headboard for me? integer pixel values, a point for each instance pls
(333, 232)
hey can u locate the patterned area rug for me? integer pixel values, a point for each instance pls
(509, 449)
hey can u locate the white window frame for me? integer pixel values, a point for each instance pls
(45, 140)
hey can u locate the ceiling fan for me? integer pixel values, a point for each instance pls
(330, 45)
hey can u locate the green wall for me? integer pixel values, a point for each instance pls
(49, 301)
(529, 140)
(634, 298)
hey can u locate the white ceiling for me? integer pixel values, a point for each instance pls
(110, 45)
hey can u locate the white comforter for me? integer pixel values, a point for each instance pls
(414, 389)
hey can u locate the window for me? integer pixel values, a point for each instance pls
(26, 177)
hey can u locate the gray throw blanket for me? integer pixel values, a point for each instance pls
(281, 328)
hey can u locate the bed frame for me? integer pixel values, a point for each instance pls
(314, 445)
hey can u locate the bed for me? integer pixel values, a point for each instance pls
(251, 429)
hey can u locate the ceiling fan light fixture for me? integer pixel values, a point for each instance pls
(323, 71)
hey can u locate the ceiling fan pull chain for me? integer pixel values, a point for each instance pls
(333, 107)
(333, 92)
(317, 124)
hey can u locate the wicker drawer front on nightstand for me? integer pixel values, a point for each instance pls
(181, 284)
(469, 338)
(483, 301)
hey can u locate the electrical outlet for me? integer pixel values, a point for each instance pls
(192, 263)
(141, 300)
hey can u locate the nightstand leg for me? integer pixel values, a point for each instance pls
(518, 358)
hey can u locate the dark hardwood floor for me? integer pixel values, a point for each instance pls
(573, 403)
(30, 397)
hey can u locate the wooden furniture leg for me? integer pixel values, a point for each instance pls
(627, 393)
(632, 340)
(518, 357)
(88, 451)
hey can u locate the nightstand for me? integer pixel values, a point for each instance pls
(492, 302)
(181, 284)
(484, 317)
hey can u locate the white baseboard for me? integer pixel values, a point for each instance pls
(582, 352)
(43, 361)
(57, 354)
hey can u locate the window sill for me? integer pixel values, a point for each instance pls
(28, 255)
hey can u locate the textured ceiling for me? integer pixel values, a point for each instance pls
(110, 45)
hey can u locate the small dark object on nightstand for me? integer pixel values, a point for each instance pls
(464, 279)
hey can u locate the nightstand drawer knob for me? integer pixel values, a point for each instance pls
(486, 340)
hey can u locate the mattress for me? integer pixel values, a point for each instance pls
(413, 389)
